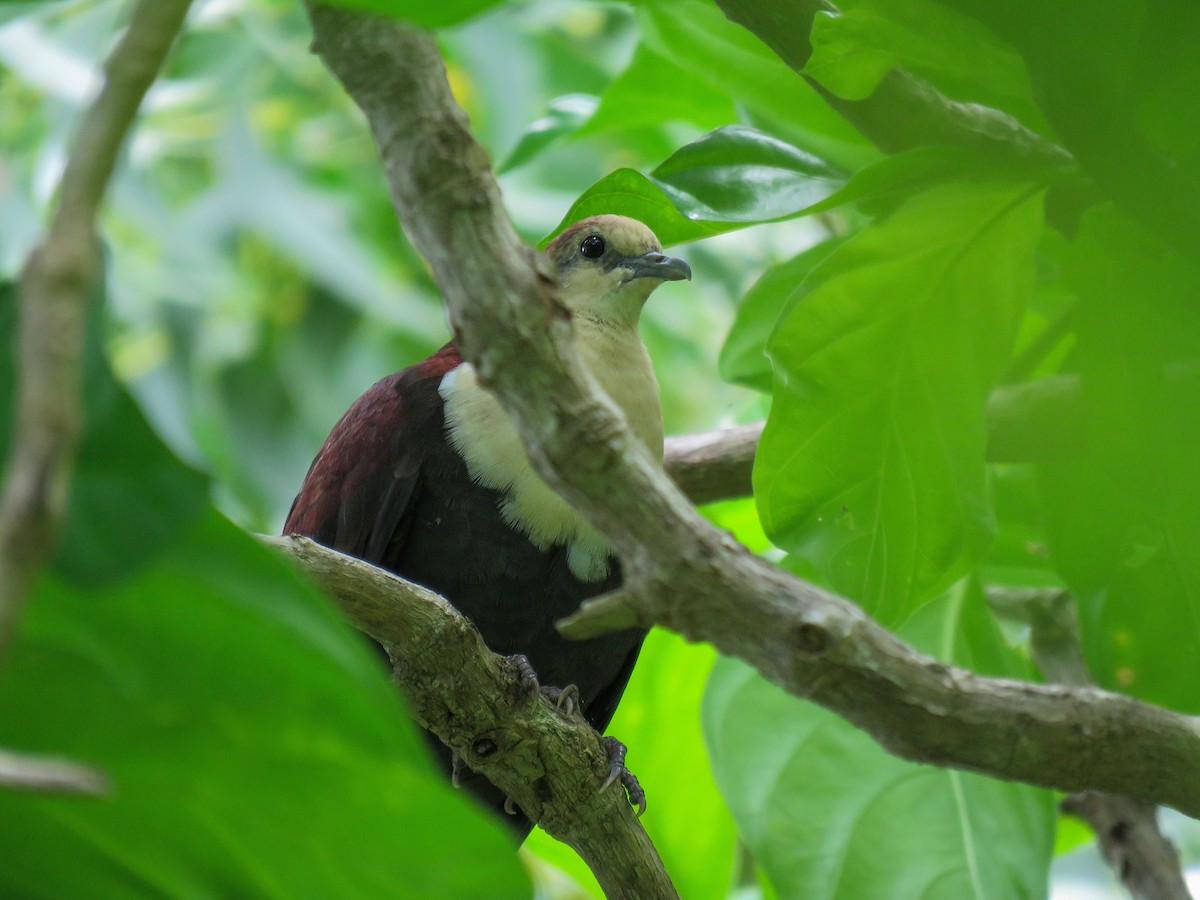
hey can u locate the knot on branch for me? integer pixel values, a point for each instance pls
(811, 639)
(483, 747)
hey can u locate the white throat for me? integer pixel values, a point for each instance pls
(483, 435)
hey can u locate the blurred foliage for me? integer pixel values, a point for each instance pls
(258, 282)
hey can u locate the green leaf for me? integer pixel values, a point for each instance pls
(653, 90)
(871, 465)
(253, 744)
(1107, 82)
(829, 815)
(686, 818)
(1123, 516)
(743, 356)
(728, 179)
(854, 49)
(564, 117)
(432, 15)
(699, 39)
(252, 741)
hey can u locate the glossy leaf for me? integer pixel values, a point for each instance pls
(564, 117)
(871, 465)
(1121, 515)
(728, 179)
(697, 37)
(829, 815)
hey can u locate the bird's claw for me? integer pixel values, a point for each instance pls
(565, 699)
(619, 772)
(526, 678)
(457, 765)
(509, 807)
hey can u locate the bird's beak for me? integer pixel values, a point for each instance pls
(657, 265)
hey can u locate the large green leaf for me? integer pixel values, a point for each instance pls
(728, 179)
(652, 90)
(744, 354)
(698, 38)
(1124, 514)
(854, 49)
(829, 815)
(253, 743)
(871, 465)
(1108, 82)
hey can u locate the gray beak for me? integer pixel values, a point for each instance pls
(657, 265)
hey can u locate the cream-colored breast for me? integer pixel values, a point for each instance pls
(482, 433)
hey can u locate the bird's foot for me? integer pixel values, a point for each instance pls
(618, 772)
(457, 766)
(527, 679)
(565, 699)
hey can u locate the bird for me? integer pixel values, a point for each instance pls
(425, 475)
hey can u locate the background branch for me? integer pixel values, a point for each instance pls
(1033, 421)
(714, 465)
(57, 279)
(1126, 829)
(470, 698)
(680, 571)
(55, 284)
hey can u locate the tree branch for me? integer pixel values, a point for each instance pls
(715, 465)
(53, 292)
(54, 288)
(469, 697)
(681, 572)
(1035, 421)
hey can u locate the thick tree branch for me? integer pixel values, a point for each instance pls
(54, 288)
(680, 571)
(469, 697)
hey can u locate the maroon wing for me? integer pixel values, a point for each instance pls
(360, 486)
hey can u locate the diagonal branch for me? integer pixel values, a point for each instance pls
(468, 696)
(681, 572)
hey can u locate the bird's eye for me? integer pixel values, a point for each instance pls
(592, 246)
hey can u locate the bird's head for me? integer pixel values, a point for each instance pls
(607, 267)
